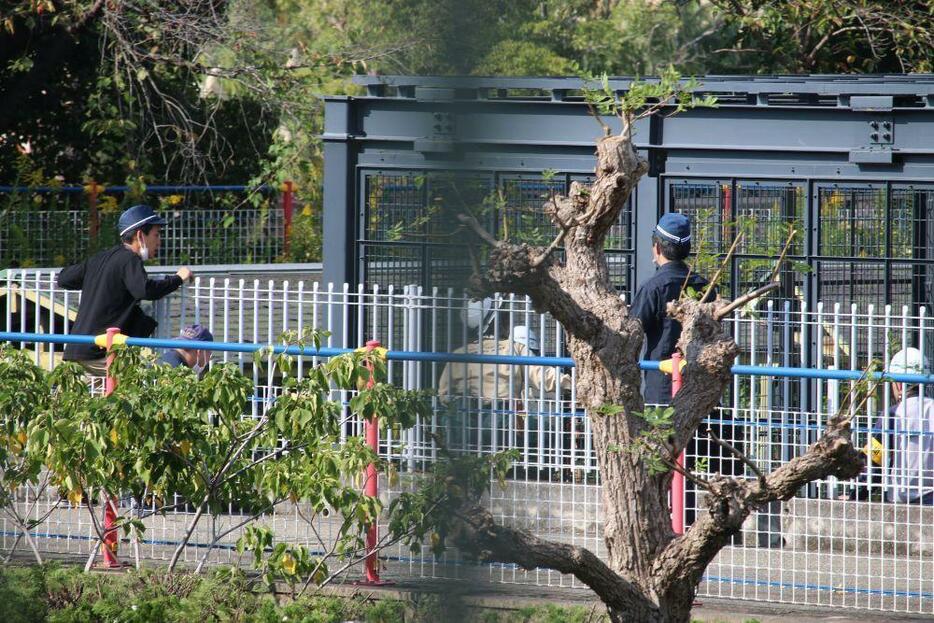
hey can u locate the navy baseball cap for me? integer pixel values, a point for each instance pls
(137, 216)
(195, 333)
(674, 227)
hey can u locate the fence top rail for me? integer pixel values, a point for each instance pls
(442, 357)
(155, 188)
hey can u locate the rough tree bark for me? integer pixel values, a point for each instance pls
(650, 574)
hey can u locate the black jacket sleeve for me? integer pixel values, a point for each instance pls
(645, 307)
(72, 277)
(141, 287)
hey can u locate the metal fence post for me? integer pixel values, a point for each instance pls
(288, 194)
(110, 514)
(677, 480)
(371, 485)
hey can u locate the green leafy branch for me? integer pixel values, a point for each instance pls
(643, 98)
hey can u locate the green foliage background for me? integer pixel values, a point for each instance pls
(252, 87)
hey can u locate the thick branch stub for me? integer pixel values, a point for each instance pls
(709, 352)
(730, 501)
(479, 534)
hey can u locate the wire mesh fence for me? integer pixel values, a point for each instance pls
(408, 232)
(813, 549)
(857, 243)
(56, 226)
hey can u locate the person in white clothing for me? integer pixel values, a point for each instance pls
(484, 390)
(900, 452)
(910, 474)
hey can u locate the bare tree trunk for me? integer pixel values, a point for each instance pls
(650, 575)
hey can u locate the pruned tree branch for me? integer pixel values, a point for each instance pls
(735, 452)
(716, 277)
(479, 230)
(738, 302)
(491, 542)
(544, 255)
(731, 500)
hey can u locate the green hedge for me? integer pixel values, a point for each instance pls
(58, 594)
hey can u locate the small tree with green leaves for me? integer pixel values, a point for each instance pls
(176, 443)
(24, 392)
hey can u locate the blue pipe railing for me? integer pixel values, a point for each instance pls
(439, 357)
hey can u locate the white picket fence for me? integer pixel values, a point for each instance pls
(814, 549)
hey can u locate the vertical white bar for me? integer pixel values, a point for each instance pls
(37, 316)
(50, 322)
(241, 294)
(212, 294)
(197, 301)
(361, 305)
(927, 428)
(301, 325)
(23, 285)
(226, 316)
(819, 335)
(434, 375)
(831, 486)
(9, 298)
(271, 338)
(887, 352)
(257, 394)
(903, 474)
(315, 323)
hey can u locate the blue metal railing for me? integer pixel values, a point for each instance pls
(441, 357)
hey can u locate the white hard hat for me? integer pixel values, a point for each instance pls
(479, 314)
(521, 334)
(909, 361)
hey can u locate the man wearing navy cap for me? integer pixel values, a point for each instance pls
(671, 244)
(195, 358)
(112, 284)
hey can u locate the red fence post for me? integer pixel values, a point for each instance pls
(110, 511)
(371, 485)
(677, 480)
(288, 196)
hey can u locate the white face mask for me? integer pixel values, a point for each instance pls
(198, 369)
(143, 249)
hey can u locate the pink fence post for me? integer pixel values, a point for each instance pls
(371, 485)
(288, 197)
(677, 480)
(110, 513)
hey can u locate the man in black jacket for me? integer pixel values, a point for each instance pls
(112, 284)
(671, 245)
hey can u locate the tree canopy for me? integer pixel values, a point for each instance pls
(228, 91)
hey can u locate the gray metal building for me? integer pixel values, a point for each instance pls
(848, 160)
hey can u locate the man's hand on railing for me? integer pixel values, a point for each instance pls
(185, 273)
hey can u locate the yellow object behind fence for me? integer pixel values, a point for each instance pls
(874, 450)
